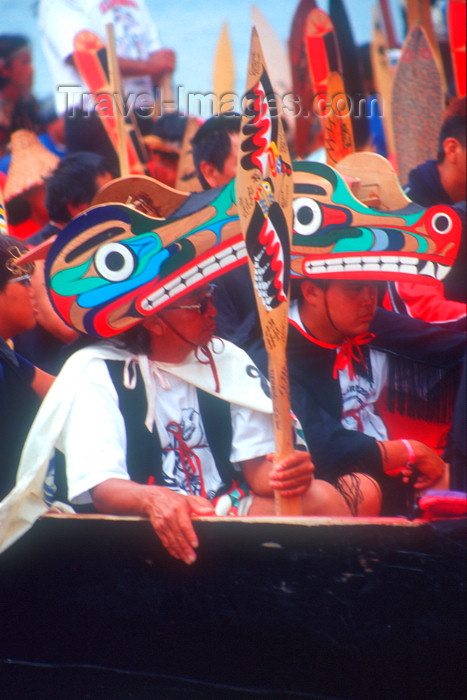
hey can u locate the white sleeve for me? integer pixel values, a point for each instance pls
(253, 434)
(153, 40)
(59, 21)
(94, 437)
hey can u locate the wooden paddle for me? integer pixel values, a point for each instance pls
(90, 57)
(417, 104)
(383, 76)
(338, 133)
(457, 35)
(419, 12)
(116, 87)
(223, 74)
(186, 178)
(264, 191)
(301, 81)
(278, 63)
(389, 32)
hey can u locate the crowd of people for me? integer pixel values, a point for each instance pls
(171, 417)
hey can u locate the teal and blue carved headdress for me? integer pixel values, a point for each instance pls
(335, 236)
(113, 266)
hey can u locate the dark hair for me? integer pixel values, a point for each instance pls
(11, 248)
(9, 44)
(211, 143)
(73, 181)
(453, 126)
(136, 339)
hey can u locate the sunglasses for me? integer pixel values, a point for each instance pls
(24, 279)
(201, 306)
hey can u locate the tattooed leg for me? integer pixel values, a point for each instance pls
(361, 494)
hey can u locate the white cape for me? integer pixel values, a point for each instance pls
(240, 383)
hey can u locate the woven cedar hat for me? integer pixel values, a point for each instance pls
(31, 163)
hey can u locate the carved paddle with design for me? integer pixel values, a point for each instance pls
(264, 190)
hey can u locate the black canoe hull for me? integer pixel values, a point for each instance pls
(335, 609)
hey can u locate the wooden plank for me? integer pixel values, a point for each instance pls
(102, 592)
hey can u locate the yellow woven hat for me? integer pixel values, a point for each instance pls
(31, 162)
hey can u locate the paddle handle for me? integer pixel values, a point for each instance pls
(115, 83)
(283, 431)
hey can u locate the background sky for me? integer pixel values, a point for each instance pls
(191, 28)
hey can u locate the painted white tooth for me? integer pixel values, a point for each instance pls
(428, 269)
(371, 267)
(442, 271)
(177, 290)
(196, 278)
(391, 259)
(353, 267)
(335, 261)
(172, 283)
(408, 269)
(318, 268)
(409, 261)
(210, 269)
(336, 268)
(228, 261)
(371, 259)
(386, 267)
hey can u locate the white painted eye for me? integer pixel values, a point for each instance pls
(307, 216)
(441, 222)
(115, 262)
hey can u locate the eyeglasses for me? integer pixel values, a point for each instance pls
(25, 279)
(201, 306)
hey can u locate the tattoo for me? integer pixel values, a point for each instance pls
(349, 489)
(384, 451)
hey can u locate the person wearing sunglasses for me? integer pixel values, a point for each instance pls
(168, 421)
(22, 385)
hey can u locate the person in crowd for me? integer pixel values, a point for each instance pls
(24, 192)
(22, 385)
(440, 181)
(215, 149)
(215, 152)
(18, 107)
(70, 189)
(143, 63)
(45, 343)
(340, 350)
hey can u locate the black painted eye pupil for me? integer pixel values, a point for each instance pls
(442, 223)
(114, 261)
(305, 215)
